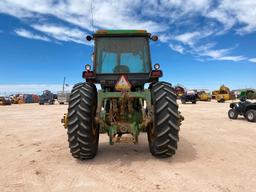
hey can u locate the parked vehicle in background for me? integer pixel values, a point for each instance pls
(63, 97)
(5, 101)
(35, 98)
(46, 98)
(203, 96)
(30, 98)
(17, 99)
(245, 108)
(214, 93)
(189, 96)
(223, 94)
(179, 90)
(248, 94)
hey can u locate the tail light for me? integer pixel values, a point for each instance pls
(156, 73)
(88, 74)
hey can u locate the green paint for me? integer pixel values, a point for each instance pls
(134, 118)
(121, 32)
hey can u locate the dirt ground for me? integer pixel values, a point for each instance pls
(214, 154)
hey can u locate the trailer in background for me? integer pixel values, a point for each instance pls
(63, 97)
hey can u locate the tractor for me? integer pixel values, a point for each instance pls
(122, 108)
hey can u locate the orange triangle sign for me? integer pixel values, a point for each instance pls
(123, 84)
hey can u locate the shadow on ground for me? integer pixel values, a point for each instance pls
(128, 153)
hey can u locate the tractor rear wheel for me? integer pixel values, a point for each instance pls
(163, 134)
(250, 115)
(83, 133)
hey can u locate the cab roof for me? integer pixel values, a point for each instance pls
(121, 33)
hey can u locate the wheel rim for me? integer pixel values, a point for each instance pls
(250, 116)
(232, 114)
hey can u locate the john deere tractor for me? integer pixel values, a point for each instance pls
(122, 108)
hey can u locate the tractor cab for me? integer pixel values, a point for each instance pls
(121, 53)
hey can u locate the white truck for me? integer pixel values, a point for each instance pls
(63, 97)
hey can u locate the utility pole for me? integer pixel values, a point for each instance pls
(63, 86)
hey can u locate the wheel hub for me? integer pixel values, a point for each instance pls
(250, 116)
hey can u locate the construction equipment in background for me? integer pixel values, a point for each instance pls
(17, 99)
(214, 93)
(5, 101)
(189, 96)
(179, 90)
(24, 98)
(248, 94)
(31, 98)
(46, 98)
(35, 98)
(223, 94)
(62, 96)
(204, 96)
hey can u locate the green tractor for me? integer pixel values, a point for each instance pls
(122, 66)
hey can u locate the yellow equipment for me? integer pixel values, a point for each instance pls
(203, 96)
(223, 94)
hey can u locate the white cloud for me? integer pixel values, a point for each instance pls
(231, 58)
(124, 14)
(175, 10)
(62, 33)
(164, 38)
(220, 54)
(164, 16)
(188, 38)
(106, 14)
(252, 60)
(215, 54)
(177, 48)
(223, 17)
(30, 35)
(192, 39)
(230, 12)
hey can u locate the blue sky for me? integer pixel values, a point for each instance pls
(202, 43)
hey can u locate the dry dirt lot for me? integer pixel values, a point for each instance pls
(215, 154)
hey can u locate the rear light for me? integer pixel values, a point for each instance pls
(88, 74)
(156, 73)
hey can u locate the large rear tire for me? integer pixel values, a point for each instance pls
(83, 133)
(163, 134)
